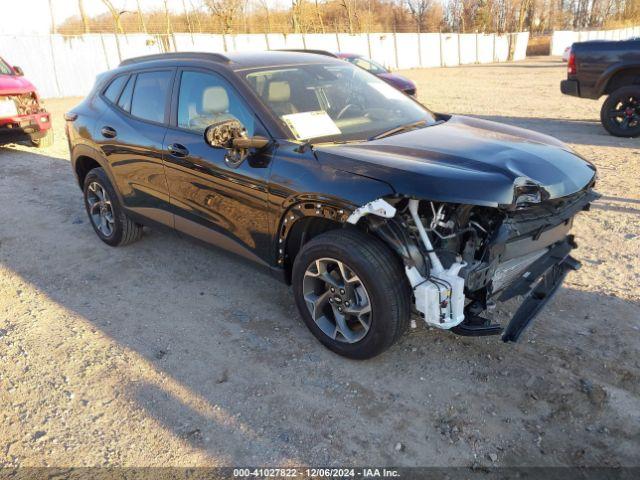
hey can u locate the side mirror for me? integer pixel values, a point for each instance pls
(18, 71)
(232, 136)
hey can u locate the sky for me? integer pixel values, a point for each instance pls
(33, 16)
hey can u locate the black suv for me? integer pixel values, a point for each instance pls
(374, 208)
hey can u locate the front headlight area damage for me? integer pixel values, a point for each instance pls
(461, 259)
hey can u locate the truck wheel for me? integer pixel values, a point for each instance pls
(352, 292)
(620, 113)
(43, 142)
(109, 221)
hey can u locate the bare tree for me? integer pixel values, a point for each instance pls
(296, 15)
(267, 12)
(115, 15)
(83, 17)
(419, 10)
(53, 18)
(226, 11)
(351, 10)
(319, 17)
(143, 25)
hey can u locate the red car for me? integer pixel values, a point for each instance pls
(22, 115)
(393, 79)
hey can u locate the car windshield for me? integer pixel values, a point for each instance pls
(335, 102)
(4, 68)
(368, 65)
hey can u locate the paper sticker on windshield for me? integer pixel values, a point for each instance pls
(311, 124)
(387, 90)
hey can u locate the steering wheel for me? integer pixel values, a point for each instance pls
(344, 110)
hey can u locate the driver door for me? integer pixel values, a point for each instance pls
(213, 201)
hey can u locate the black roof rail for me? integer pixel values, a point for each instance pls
(305, 50)
(213, 57)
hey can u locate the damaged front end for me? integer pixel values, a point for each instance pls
(461, 259)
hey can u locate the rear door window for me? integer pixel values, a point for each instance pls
(149, 101)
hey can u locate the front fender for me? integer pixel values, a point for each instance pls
(301, 187)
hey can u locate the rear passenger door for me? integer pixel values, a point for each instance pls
(131, 133)
(213, 201)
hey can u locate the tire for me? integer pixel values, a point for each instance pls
(383, 281)
(43, 142)
(620, 113)
(122, 230)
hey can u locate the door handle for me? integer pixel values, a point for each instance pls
(178, 150)
(108, 132)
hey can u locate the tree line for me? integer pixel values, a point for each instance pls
(352, 16)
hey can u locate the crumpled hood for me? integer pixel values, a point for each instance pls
(464, 160)
(13, 84)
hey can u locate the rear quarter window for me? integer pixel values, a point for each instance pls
(149, 99)
(112, 92)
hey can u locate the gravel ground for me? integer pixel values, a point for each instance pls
(167, 352)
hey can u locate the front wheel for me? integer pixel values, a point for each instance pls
(352, 292)
(620, 113)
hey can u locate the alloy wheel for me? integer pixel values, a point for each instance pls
(100, 209)
(626, 113)
(337, 300)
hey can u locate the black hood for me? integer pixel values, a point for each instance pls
(464, 160)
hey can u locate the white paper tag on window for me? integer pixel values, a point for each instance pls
(387, 90)
(311, 124)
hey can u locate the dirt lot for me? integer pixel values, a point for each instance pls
(170, 353)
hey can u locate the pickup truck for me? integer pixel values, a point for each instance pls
(612, 68)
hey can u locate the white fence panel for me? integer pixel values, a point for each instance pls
(201, 42)
(522, 40)
(249, 42)
(353, 43)
(65, 66)
(468, 48)
(485, 48)
(383, 49)
(322, 41)
(408, 54)
(430, 50)
(562, 39)
(294, 41)
(449, 49)
(502, 48)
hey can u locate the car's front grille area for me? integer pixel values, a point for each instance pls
(26, 103)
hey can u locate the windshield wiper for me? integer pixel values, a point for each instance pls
(405, 128)
(401, 128)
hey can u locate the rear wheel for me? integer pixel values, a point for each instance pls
(107, 217)
(352, 292)
(620, 113)
(43, 141)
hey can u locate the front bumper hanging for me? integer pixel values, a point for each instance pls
(537, 285)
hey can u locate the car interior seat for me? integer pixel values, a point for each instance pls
(279, 97)
(214, 108)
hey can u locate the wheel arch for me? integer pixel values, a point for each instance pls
(306, 219)
(619, 76)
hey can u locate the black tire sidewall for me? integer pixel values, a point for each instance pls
(382, 331)
(99, 176)
(609, 125)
